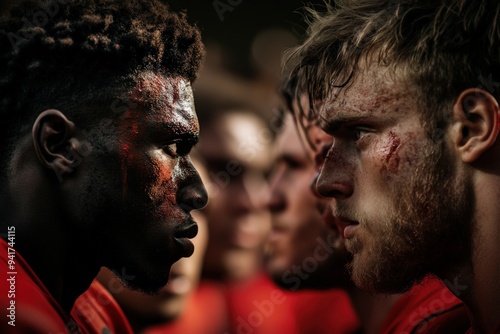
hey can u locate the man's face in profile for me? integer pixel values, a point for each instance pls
(237, 157)
(140, 183)
(300, 238)
(401, 202)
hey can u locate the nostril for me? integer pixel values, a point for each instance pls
(335, 191)
(193, 198)
(331, 188)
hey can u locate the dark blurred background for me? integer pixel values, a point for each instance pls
(234, 29)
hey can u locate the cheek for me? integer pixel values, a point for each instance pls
(129, 130)
(151, 176)
(390, 154)
(162, 177)
(397, 153)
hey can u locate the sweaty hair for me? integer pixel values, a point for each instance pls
(78, 55)
(440, 47)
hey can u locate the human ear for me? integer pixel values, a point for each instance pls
(475, 126)
(55, 143)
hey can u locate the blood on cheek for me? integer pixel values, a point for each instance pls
(162, 178)
(148, 90)
(390, 158)
(163, 100)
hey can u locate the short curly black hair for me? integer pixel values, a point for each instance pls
(73, 54)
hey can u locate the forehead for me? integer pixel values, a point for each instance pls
(164, 99)
(374, 91)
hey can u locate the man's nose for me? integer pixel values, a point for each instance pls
(192, 193)
(199, 196)
(335, 175)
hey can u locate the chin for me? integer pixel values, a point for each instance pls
(148, 282)
(390, 278)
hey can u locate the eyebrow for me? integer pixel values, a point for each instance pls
(190, 137)
(169, 128)
(338, 120)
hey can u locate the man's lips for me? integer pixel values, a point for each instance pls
(346, 226)
(189, 232)
(182, 236)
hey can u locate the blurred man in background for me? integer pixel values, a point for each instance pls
(236, 153)
(303, 251)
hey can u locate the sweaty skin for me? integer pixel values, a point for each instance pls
(372, 309)
(380, 169)
(137, 213)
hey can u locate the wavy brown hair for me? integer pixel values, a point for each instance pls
(440, 46)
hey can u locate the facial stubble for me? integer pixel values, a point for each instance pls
(428, 231)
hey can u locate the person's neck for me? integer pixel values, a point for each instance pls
(59, 261)
(372, 309)
(58, 257)
(480, 286)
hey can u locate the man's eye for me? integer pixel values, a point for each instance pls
(360, 133)
(177, 149)
(171, 149)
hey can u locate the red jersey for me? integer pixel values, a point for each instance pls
(96, 311)
(27, 306)
(260, 307)
(427, 308)
(205, 313)
(325, 312)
